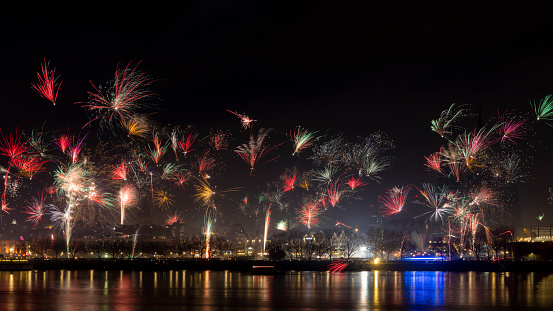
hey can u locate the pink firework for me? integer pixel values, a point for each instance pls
(334, 192)
(289, 182)
(63, 142)
(309, 212)
(394, 200)
(74, 149)
(218, 139)
(36, 209)
(122, 98)
(355, 182)
(121, 170)
(244, 119)
(510, 129)
(185, 144)
(47, 85)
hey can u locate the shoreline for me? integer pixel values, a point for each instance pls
(288, 265)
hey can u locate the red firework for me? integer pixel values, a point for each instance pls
(63, 142)
(337, 266)
(13, 145)
(28, 166)
(244, 119)
(47, 85)
(181, 178)
(434, 161)
(123, 96)
(218, 139)
(121, 170)
(355, 182)
(308, 214)
(334, 192)
(394, 200)
(289, 182)
(186, 143)
(205, 163)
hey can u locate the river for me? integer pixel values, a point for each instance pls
(228, 290)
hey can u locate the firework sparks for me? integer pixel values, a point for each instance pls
(158, 149)
(28, 166)
(254, 150)
(163, 199)
(337, 266)
(208, 231)
(121, 171)
(510, 129)
(434, 161)
(185, 144)
(126, 197)
(544, 109)
(289, 182)
(282, 225)
(47, 85)
(122, 98)
(302, 139)
(436, 200)
(444, 124)
(309, 212)
(136, 126)
(205, 163)
(394, 200)
(355, 182)
(172, 219)
(334, 192)
(244, 119)
(267, 224)
(219, 139)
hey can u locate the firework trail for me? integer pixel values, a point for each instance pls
(267, 224)
(158, 149)
(334, 192)
(339, 224)
(302, 139)
(74, 149)
(136, 126)
(329, 152)
(325, 175)
(134, 241)
(244, 119)
(28, 166)
(470, 146)
(218, 139)
(355, 182)
(394, 200)
(120, 171)
(208, 231)
(254, 150)
(444, 124)
(12, 146)
(47, 85)
(163, 199)
(172, 219)
(205, 163)
(308, 213)
(436, 200)
(510, 129)
(121, 99)
(126, 197)
(282, 225)
(186, 143)
(289, 182)
(434, 161)
(544, 109)
(63, 142)
(64, 221)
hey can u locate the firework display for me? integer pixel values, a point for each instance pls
(84, 179)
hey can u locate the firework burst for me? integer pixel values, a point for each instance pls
(48, 85)
(394, 200)
(302, 139)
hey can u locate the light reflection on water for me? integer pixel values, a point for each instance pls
(227, 290)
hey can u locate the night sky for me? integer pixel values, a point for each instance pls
(356, 67)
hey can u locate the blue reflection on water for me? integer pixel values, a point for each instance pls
(424, 288)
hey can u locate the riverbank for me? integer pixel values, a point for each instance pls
(287, 265)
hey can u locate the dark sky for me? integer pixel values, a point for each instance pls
(357, 67)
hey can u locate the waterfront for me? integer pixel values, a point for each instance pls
(226, 290)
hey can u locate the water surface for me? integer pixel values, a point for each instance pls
(227, 290)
